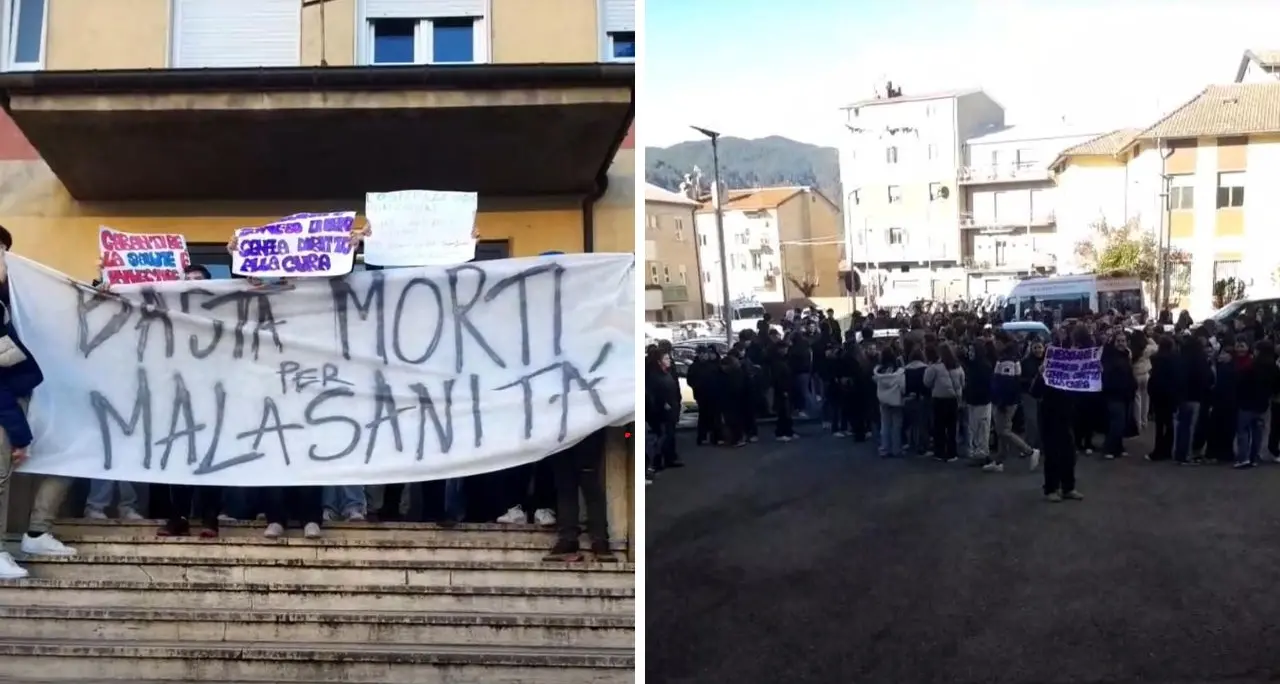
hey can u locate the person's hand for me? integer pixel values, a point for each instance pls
(19, 456)
(360, 235)
(475, 233)
(104, 286)
(231, 244)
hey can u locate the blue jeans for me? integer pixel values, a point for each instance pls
(914, 412)
(1248, 436)
(804, 383)
(1184, 429)
(1117, 416)
(345, 499)
(101, 491)
(890, 430)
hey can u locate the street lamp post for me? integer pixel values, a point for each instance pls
(717, 200)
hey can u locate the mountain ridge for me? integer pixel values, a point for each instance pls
(748, 163)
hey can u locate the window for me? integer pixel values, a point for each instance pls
(895, 194)
(702, 239)
(1025, 158)
(436, 40)
(706, 276)
(995, 158)
(652, 221)
(684, 275)
(1001, 248)
(653, 273)
(1231, 190)
(26, 28)
(935, 191)
(856, 197)
(1181, 193)
(1226, 269)
(933, 151)
(213, 257)
(757, 261)
(666, 275)
(891, 155)
(622, 46)
(930, 110)
(679, 230)
(897, 236)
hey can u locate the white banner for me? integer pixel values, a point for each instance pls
(420, 228)
(385, 376)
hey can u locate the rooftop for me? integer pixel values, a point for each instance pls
(653, 193)
(1028, 132)
(1105, 144)
(756, 199)
(1223, 110)
(942, 95)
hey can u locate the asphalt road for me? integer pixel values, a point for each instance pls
(817, 561)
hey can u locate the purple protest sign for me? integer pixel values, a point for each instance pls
(297, 246)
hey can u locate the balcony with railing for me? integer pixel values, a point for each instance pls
(675, 294)
(1017, 262)
(1004, 223)
(1019, 172)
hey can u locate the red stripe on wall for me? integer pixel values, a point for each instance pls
(629, 142)
(13, 144)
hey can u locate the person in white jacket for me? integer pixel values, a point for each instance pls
(1143, 349)
(890, 382)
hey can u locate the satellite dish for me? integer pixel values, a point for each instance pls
(944, 192)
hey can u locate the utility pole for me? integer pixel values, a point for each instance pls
(726, 312)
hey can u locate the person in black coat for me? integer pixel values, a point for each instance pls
(1194, 409)
(1256, 375)
(1168, 390)
(705, 380)
(784, 385)
(664, 405)
(1057, 415)
(1223, 408)
(1119, 388)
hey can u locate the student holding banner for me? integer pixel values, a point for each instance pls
(1057, 413)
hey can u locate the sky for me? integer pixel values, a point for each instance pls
(753, 68)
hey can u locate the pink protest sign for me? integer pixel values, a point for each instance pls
(129, 258)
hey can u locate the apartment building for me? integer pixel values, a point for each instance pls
(673, 290)
(1259, 66)
(203, 116)
(1216, 159)
(782, 244)
(898, 168)
(1008, 220)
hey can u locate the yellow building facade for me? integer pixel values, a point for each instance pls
(119, 76)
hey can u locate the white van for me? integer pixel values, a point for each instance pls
(1073, 295)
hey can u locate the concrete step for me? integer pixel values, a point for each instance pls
(381, 531)
(451, 547)
(346, 573)
(244, 661)
(294, 626)
(273, 597)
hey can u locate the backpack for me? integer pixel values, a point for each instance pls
(915, 382)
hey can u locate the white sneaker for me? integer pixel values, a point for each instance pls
(130, 514)
(1034, 459)
(311, 531)
(328, 515)
(753, 440)
(10, 570)
(514, 516)
(993, 468)
(544, 517)
(784, 439)
(95, 514)
(45, 545)
(355, 516)
(274, 530)
(223, 517)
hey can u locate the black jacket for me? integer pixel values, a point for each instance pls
(1168, 385)
(1118, 383)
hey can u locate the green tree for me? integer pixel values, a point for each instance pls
(1127, 250)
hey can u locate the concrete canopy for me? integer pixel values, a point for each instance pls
(325, 132)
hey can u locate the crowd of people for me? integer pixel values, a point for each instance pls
(951, 383)
(545, 493)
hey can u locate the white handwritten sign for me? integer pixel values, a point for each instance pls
(133, 258)
(296, 246)
(384, 376)
(420, 228)
(1074, 370)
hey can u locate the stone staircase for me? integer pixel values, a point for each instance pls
(386, 603)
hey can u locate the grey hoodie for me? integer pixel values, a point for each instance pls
(943, 384)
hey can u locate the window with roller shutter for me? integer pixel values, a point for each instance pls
(236, 33)
(423, 32)
(618, 30)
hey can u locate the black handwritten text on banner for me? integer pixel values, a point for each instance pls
(389, 376)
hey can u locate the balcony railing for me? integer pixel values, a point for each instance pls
(1015, 264)
(675, 294)
(1004, 173)
(1005, 224)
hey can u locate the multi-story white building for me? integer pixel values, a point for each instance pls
(1259, 66)
(898, 168)
(774, 239)
(1008, 220)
